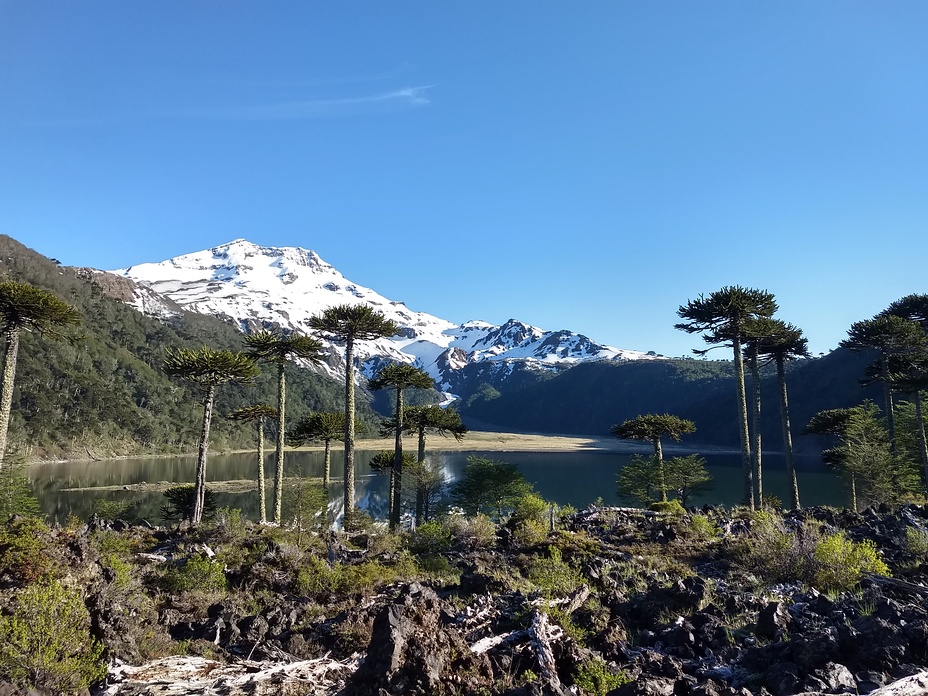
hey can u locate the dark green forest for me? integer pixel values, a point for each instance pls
(102, 392)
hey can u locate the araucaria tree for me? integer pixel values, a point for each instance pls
(349, 324)
(421, 420)
(209, 368)
(257, 415)
(399, 376)
(651, 428)
(724, 317)
(322, 425)
(891, 336)
(279, 349)
(784, 343)
(24, 307)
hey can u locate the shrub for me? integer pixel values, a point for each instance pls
(530, 533)
(478, 531)
(530, 507)
(357, 521)
(430, 538)
(552, 576)
(595, 678)
(179, 505)
(23, 555)
(197, 573)
(703, 528)
(670, 507)
(230, 525)
(113, 509)
(778, 553)
(841, 562)
(45, 642)
(916, 544)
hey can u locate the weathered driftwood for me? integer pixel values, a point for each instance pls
(897, 584)
(542, 634)
(180, 675)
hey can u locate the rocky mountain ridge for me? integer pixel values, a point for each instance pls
(258, 287)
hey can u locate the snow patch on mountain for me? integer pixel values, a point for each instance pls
(265, 287)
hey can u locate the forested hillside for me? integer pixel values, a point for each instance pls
(103, 392)
(588, 399)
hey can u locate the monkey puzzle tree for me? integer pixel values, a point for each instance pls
(651, 428)
(209, 368)
(321, 425)
(24, 307)
(385, 462)
(911, 374)
(399, 376)
(723, 318)
(786, 342)
(257, 414)
(279, 349)
(890, 336)
(420, 420)
(349, 324)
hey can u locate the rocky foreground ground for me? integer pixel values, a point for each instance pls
(613, 601)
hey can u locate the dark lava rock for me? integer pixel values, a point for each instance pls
(773, 620)
(412, 653)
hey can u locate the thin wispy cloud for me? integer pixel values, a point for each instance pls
(408, 97)
(393, 100)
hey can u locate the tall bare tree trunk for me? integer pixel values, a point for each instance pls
(396, 475)
(420, 494)
(349, 425)
(262, 484)
(922, 444)
(6, 397)
(659, 456)
(792, 481)
(888, 400)
(755, 413)
(199, 488)
(327, 467)
(281, 436)
(746, 463)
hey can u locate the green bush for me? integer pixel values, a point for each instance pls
(553, 576)
(777, 553)
(357, 522)
(23, 552)
(430, 538)
(703, 528)
(113, 509)
(670, 507)
(179, 505)
(45, 641)
(530, 533)
(841, 562)
(197, 573)
(595, 678)
(916, 544)
(477, 531)
(530, 507)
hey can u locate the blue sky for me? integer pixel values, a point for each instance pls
(583, 165)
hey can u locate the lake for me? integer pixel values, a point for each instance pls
(567, 478)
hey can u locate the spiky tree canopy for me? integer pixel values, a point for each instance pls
(384, 460)
(444, 421)
(913, 307)
(353, 322)
(24, 306)
(887, 333)
(783, 340)
(726, 313)
(322, 425)
(653, 426)
(279, 348)
(249, 414)
(209, 366)
(401, 376)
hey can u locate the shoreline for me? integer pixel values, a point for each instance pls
(474, 441)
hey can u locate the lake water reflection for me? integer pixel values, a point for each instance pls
(568, 478)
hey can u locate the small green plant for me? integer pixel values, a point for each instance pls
(916, 544)
(564, 620)
(45, 641)
(230, 524)
(670, 507)
(179, 505)
(553, 576)
(841, 562)
(477, 531)
(16, 496)
(597, 679)
(113, 509)
(430, 538)
(530, 533)
(357, 521)
(702, 528)
(109, 542)
(197, 573)
(121, 570)
(23, 552)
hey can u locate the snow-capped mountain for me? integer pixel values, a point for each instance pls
(264, 287)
